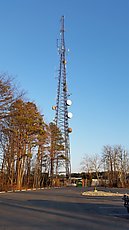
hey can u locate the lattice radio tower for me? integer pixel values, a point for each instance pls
(62, 103)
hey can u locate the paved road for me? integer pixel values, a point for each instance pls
(61, 209)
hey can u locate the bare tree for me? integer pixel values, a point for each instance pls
(116, 161)
(91, 164)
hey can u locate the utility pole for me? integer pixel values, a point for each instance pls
(62, 115)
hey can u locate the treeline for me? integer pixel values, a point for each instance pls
(111, 168)
(28, 146)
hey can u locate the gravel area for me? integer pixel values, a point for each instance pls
(101, 193)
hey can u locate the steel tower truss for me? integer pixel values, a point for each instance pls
(61, 113)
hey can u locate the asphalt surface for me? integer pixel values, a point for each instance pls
(61, 209)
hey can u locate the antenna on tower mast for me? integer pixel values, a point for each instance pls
(62, 115)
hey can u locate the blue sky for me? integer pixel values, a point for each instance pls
(97, 35)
